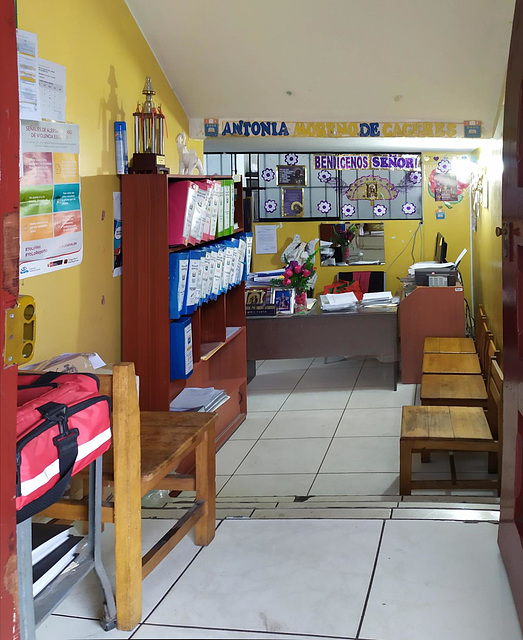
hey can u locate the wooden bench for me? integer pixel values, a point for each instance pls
(449, 345)
(453, 387)
(146, 448)
(444, 429)
(463, 345)
(457, 390)
(451, 363)
(454, 428)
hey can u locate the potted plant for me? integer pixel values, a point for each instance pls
(300, 277)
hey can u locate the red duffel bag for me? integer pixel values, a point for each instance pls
(63, 424)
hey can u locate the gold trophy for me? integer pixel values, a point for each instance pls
(149, 130)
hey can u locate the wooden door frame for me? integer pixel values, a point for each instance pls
(510, 536)
(9, 252)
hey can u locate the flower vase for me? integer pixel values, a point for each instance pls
(300, 302)
(345, 253)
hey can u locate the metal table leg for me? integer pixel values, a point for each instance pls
(108, 620)
(25, 581)
(33, 611)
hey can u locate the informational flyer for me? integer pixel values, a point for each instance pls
(117, 217)
(28, 90)
(51, 83)
(50, 211)
(266, 238)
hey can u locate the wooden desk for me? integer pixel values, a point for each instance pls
(369, 332)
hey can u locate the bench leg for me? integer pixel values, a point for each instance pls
(205, 474)
(405, 468)
(127, 499)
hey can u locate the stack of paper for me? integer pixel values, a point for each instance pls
(198, 399)
(53, 550)
(264, 277)
(379, 297)
(338, 301)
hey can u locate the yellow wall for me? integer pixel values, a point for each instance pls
(106, 60)
(455, 227)
(488, 287)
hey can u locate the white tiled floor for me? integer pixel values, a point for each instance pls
(321, 544)
(335, 425)
(377, 579)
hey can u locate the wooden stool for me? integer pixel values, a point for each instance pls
(455, 390)
(449, 345)
(443, 429)
(452, 363)
(146, 448)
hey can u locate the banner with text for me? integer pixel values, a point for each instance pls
(214, 127)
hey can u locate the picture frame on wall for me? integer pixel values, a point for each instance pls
(291, 176)
(284, 299)
(372, 190)
(445, 187)
(292, 202)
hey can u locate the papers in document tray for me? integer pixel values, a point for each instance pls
(338, 301)
(429, 265)
(199, 399)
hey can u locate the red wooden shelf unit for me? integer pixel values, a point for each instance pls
(218, 327)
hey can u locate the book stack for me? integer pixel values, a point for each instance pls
(199, 275)
(197, 399)
(377, 298)
(54, 548)
(200, 210)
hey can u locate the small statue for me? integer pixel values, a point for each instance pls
(188, 159)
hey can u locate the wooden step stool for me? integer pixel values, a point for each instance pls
(443, 429)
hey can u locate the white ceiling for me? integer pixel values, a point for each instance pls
(342, 60)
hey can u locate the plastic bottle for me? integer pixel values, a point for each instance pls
(120, 146)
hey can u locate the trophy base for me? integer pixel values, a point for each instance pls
(148, 163)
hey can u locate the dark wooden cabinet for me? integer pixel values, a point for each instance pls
(218, 327)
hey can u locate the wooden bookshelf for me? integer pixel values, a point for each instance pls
(218, 327)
